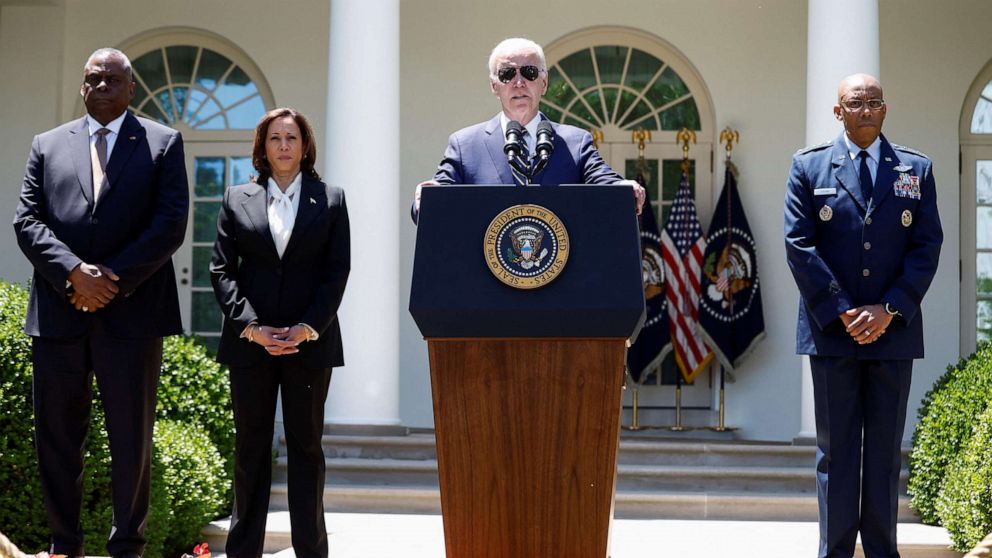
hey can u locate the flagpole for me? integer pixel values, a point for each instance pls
(678, 403)
(731, 137)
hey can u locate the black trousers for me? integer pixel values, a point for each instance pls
(127, 372)
(860, 408)
(253, 391)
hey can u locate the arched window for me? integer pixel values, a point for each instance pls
(197, 86)
(976, 213)
(619, 86)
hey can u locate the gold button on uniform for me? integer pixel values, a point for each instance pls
(866, 272)
(867, 245)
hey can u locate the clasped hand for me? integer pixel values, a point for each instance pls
(866, 324)
(279, 341)
(93, 286)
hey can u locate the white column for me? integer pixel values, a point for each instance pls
(842, 39)
(363, 157)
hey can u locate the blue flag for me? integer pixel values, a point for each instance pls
(653, 342)
(730, 314)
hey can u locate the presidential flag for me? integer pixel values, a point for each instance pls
(683, 246)
(730, 315)
(653, 342)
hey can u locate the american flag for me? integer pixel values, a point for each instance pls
(682, 247)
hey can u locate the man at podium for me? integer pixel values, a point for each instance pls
(543, 152)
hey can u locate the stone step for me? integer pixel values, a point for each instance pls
(633, 450)
(649, 478)
(629, 504)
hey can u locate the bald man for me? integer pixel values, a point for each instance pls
(862, 238)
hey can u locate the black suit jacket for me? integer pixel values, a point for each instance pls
(253, 284)
(135, 226)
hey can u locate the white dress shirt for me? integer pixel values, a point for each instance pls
(282, 229)
(874, 154)
(530, 138)
(114, 126)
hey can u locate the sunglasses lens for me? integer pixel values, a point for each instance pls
(529, 72)
(506, 75)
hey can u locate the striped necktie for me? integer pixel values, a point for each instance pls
(519, 178)
(98, 160)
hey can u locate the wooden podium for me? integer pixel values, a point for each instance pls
(527, 384)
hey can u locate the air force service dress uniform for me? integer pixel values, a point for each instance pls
(847, 251)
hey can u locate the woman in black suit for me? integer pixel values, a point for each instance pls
(279, 268)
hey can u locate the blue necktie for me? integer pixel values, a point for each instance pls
(867, 186)
(519, 178)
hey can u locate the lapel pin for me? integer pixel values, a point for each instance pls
(313, 201)
(888, 159)
(132, 138)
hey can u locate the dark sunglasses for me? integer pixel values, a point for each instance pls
(506, 75)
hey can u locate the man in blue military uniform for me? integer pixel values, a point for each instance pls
(862, 239)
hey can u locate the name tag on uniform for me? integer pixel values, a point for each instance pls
(907, 186)
(825, 191)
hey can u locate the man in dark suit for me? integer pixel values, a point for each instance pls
(862, 238)
(103, 207)
(518, 77)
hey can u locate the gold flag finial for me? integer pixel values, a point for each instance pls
(684, 136)
(640, 136)
(730, 137)
(597, 136)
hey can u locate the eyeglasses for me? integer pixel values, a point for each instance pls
(506, 75)
(855, 105)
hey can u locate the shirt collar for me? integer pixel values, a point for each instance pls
(874, 150)
(114, 125)
(531, 126)
(294, 186)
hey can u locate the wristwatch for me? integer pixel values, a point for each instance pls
(890, 310)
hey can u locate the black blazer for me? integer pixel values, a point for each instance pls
(252, 284)
(135, 226)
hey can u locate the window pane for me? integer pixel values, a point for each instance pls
(668, 87)
(201, 266)
(651, 180)
(981, 122)
(640, 110)
(210, 108)
(983, 186)
(552, 113)
(181, 59)
(559, 91)
(216, 123)
(983, 228)
(682, 115)
(610, 61)
(983, 283)
(594, 101)
(205, 221)
(580, 110)
(180, 93)
(611, 94)
(984, 315)
(642, 68)
(206, 313)
(165, 100)
(578, 67)
(671, 175)
(151, 109)
(212, 68)
(151, 68)
(241, 170)
(236, 86)
(209, 176)
(246, 115)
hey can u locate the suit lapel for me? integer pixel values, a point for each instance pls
(313, 200)
(79, 145)
(844, 172)
(256, 208)
(494, 144)
(130, 134)
(886, 174)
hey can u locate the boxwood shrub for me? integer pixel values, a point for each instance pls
(193, 446)
(965, 504)
(946, 420)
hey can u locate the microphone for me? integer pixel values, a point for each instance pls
(545, 145)
(514, 136)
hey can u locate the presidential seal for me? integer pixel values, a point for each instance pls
(526, 246)
(731, 275)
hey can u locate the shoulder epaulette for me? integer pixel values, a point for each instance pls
(909, 150)
(816, 147)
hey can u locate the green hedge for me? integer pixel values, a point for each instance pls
(965, 504)
(190, 477)
(946, 420)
